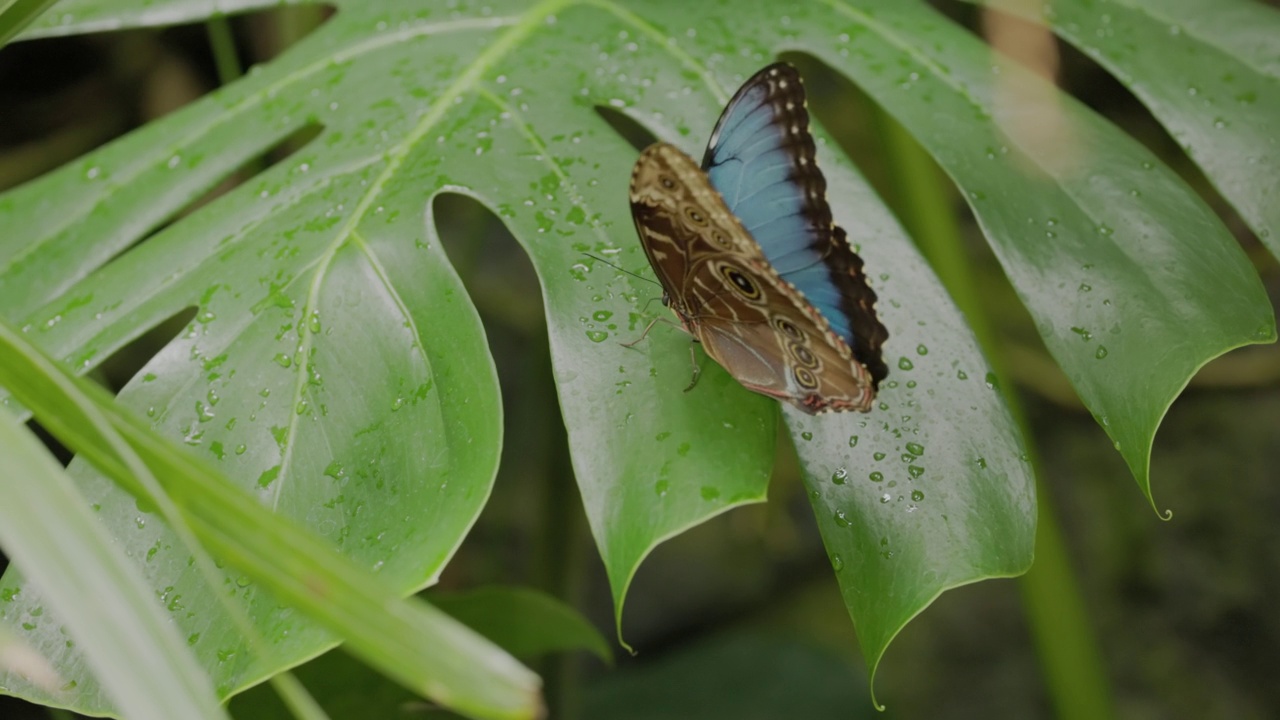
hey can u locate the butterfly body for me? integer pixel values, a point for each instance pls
(750, 260)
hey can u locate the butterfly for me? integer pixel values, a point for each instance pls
(749, 257)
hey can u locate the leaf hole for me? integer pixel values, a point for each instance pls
(64, 96)
(494, 268)
(627, 127)
(129, 359)
(254, 162)
(502, 283)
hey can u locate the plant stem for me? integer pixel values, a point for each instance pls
(1070, 660)
(223, 45)
(560, 560)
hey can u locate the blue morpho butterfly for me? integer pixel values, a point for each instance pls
(750, 259)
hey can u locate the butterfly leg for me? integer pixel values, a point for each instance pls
(643, 335)
(649, 327)
(697, 371)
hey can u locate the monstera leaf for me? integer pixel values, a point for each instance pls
(336, 367)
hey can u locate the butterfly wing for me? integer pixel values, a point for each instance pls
(761, 158)
(726, 292)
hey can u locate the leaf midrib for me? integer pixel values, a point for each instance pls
(467, 81)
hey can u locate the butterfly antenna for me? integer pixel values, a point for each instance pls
(621, 269)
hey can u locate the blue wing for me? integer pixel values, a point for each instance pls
(761, 159)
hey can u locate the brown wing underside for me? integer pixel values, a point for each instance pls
(719, 283)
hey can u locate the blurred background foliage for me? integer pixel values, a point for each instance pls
(741, 617)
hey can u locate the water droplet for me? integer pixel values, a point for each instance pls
(905, 364)
(841, 520)
(922, 350)
(204, 413)
(915, 448)
(876, 477)
(709, 493)
(597, 335)
(1101, 352)
(915, 471)
(660, 488)
(840, 476)
(1084, 334)
(878, 456)
(853, 441)
(806, 435)
(962, 375)
(283, 360)
(917, 495)
(837, 562)
(268, 476)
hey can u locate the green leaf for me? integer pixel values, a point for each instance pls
(112, 616)
(15, 15)
(523, 621)
(410, 641)
(931, 490)
(1207, 70)
(332, 329)
(1132, 281)
(18, 658)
